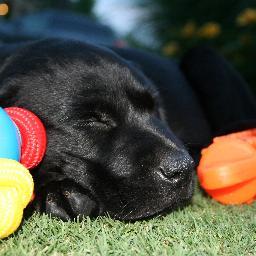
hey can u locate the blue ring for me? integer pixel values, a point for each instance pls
(10, 144)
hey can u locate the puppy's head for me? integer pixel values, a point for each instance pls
(105, 128)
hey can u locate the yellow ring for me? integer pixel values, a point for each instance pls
(11, 211)
(14, 174)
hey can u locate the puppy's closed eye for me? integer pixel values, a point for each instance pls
(96, 120)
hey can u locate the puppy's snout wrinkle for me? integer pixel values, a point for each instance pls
(176, 165)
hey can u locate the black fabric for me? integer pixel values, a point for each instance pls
(224, 95)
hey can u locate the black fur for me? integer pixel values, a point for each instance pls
(110, 148)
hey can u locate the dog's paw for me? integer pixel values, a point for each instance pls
(66, 200)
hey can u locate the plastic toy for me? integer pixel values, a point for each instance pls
(227, 169)
(16, 183)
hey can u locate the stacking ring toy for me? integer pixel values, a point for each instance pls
(9, 138)
(227, 169)
(22, 138)
(33, 136)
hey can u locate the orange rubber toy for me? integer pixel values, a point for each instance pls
(227, 169)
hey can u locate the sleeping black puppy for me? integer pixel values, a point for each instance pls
(119, 125)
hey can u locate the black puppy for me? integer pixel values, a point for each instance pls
(110, 149)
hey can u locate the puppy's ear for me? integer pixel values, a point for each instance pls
(223, 93)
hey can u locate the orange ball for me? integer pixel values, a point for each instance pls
(227, 169)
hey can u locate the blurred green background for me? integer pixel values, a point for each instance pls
(228, 25)
(177, 25)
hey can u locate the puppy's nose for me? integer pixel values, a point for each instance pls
(176, 165)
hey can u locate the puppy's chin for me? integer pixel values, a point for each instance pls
(155, 206)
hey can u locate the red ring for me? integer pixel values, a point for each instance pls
(33, 135)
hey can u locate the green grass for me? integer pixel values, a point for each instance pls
(204, 228)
